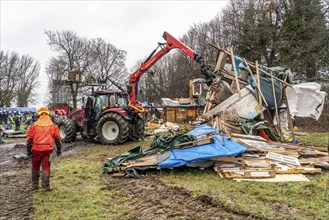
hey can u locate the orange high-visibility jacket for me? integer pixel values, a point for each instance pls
(42, 133)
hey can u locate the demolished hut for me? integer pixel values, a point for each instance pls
(249, 110)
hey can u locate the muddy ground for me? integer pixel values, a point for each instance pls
(154, 199)
(15, 180)
(15, 193)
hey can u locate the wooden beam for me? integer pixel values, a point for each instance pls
(284, 82)
(259, 91)
(256, 81)
(314, 160)
(235, 74)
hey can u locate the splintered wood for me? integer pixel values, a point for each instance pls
(262, 161)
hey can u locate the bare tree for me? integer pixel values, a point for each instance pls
(95, 59)
(18, 79)
(28, 72)
(74, 53)
(9, 63)
(155, 84)
(109, 62)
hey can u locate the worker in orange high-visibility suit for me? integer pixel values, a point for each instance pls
(40, 140)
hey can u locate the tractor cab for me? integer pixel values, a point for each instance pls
(99, 104)
(109, 100)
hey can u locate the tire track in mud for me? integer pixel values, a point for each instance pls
(153, 199)
(15, 182)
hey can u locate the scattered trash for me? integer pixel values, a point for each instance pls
(167, 127)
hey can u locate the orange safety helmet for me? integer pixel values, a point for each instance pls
(43, 110)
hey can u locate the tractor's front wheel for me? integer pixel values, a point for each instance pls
(112, 128)
(67, 130)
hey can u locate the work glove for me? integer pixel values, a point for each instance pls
(29, 152)
(29, 147)
(59, 146)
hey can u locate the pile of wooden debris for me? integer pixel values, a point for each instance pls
(271, 161)
(255, 106)
(251, 99)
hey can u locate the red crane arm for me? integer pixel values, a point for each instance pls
(171, 43)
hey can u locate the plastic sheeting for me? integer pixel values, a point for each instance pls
(204, 152)
(306, 100)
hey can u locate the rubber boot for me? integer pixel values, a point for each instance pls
(45, 182)
(35, 180)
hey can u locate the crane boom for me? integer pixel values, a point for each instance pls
(171, 43)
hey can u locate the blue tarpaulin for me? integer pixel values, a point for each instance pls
(204, 152)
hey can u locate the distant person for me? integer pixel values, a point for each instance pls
(5, 118)
(10, 121)
(40, 140)
(28, 119)
(1, 117)
(1, 134)
(34, 117)
(17, 119)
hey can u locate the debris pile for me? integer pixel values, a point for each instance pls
(272, 161)
(238, 157)
(250, 99)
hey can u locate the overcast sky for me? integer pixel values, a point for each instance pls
(134, 26)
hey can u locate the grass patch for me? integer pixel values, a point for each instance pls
(313, 138)
(295, 200)
(79, 188)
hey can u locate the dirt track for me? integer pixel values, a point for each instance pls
(15, 174)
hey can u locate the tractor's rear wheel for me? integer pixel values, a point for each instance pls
(67, 130)
(136, 129)
(112, 128)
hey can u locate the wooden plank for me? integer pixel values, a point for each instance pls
(115, 169)
(247, 174)
(249, 137)
(284, 82)
(300, 170)
(320, 148)
(290, 122)
(256, 81)
(199, 142)
(236, 106)
(256, 162)
(221, 60)
(243, 172)
(259, 90)
(313, 160)
(149, 160)
(279, 178)
(223, 159)
(235, 74)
